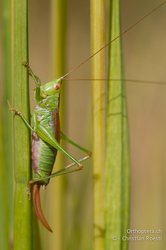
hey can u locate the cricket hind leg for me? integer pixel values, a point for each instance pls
(72, 167)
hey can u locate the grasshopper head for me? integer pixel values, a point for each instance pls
(50, 88)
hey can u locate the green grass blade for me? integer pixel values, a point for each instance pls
(6, 169)
(4, 207)
(117, 159)
(22, 209)
(98, 89)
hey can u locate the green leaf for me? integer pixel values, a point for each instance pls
(117, 158)
(6, 169)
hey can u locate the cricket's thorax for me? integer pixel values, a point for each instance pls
(43, 155)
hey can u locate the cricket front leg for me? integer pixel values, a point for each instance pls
(18, 113)
(36, 79)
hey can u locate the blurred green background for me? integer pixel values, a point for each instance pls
(144, 56)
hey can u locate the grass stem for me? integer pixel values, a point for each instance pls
(20, 89)
(117, 156)
(98, 92)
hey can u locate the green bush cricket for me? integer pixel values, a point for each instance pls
(45, 140)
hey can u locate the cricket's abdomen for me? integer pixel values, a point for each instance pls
(43, 155)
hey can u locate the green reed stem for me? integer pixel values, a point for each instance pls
(117, 158)
(98, 89)
(6, 169)
(22, 210)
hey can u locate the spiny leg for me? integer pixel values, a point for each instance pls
(72, 167)
(69, 168)
(36, 79)
(18, 113)
(46, 136)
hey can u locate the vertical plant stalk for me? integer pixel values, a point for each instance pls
(58, 47)
(6, 169)
(4, 208)
(117, 157)
(4, 216)
(20, 88)
(98, 90)
(58, 43)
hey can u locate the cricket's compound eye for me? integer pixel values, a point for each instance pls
(56, 86)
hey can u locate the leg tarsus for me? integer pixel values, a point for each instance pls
(17, 112)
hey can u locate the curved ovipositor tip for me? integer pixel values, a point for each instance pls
(37, 207)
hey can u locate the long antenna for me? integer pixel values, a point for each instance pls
(117, 80)
(114, 39)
